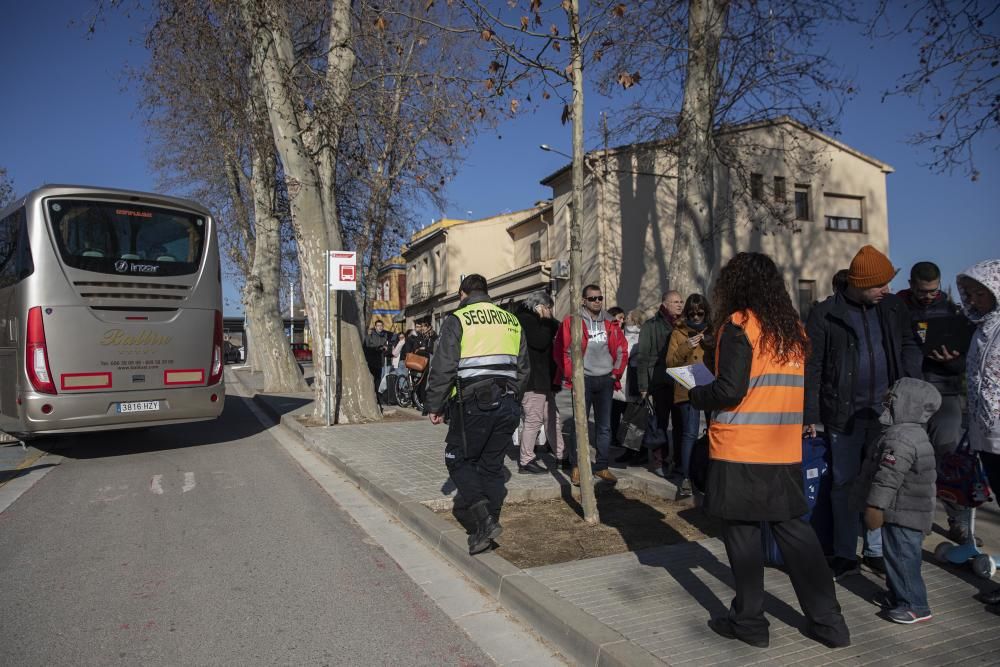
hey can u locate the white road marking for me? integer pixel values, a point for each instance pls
(13, 489)
(104, 494)
(155, 485)
(188, 482)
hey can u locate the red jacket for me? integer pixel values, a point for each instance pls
(617, 345)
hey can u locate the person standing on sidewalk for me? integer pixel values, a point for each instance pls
(539, 402)
(376, 347)
(979, 287)
(605, 356)
(943, 369)
(691, 340)
(862, 342)
(654, 337)
(478, 372)
(896, 491)
(755, 450)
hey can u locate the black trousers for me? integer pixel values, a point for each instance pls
(476, 466)
(807, 568)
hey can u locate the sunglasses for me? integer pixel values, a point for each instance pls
(594, 298)
(696, 313)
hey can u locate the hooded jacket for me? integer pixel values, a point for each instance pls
(594, 326)
(983, 361)
(654, 337)
(898, 473)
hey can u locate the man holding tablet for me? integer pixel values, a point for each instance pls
(944, 333)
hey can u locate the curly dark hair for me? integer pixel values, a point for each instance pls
(751, 281)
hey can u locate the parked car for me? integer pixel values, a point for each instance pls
(302, 352)
(230, 353)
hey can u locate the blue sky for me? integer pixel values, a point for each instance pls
(69, 116)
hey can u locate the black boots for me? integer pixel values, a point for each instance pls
(487, 529)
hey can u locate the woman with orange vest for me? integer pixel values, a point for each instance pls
(755, 450)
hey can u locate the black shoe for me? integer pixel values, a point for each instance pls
(875, 563)
(566, 465)
(487, 529)
(838, 639)
(993, 609)
(844, 567)
(627, 457)
(531, 468)
(641, 457)
(724, 627)
(989, 597)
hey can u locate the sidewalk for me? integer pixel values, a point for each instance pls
(645, 607)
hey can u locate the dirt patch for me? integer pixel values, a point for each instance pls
(553, 531)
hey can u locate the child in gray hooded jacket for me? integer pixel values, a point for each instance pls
(897, 489)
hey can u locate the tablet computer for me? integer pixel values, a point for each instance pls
(954, 332)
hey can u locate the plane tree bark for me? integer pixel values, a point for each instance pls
(306, 116)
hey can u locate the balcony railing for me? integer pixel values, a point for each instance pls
(419, 292)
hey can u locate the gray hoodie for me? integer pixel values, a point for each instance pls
(597, 359)
(899, 472)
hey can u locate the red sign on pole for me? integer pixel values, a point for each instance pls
(347, 272)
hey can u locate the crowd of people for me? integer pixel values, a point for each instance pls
(867, 371)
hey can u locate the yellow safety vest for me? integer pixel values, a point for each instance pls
(491, 341)
(766, 427)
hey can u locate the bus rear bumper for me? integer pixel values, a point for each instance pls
(99, 411)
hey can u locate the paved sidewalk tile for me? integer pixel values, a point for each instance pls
(661, 598)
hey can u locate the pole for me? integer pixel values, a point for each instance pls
(291, 311)
(582, 435)
(340, 365)
(327, 352)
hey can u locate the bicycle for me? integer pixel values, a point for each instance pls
(410, 387)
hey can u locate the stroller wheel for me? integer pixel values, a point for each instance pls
(984, 566)
(941, 552)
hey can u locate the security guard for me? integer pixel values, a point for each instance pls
(478, 373)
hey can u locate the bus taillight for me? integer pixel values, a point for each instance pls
(36, 357)
(215, 375)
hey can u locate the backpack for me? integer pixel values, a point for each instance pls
(960, 477)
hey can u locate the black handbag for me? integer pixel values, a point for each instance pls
(698, 467)
(635, 421)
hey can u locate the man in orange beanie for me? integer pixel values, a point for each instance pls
(862, 342)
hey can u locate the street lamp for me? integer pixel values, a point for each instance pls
(546, 147)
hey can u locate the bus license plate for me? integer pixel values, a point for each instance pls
(138, 406)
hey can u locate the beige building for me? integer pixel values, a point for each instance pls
(801, 196)
(440, 255)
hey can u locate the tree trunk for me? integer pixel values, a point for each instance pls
(692, 255)
(273, 355)
(310, 178)
(582, 436)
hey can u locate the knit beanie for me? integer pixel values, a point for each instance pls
(870, 268)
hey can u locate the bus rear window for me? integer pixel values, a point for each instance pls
(125, 238)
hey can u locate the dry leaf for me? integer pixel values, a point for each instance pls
(556, 46)
(490, 84)
(380, 23)
(535, 4)
(427, 7)
(514, 104)
(486, 34)
(554, 30)
(625, 79)
(494, 66)
(545, 95)
(524, 22)
(618, 10)
(566, 114)
(566, 5)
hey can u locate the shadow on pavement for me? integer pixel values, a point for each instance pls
(8, 475)
(235, 423)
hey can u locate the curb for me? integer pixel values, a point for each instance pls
(578, 635)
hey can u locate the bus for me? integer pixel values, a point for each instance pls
(110, 312)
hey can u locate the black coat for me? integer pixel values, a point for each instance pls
(833, 363)
(539, 333)
(745, 491)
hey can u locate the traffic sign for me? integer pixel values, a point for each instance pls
(343, 270)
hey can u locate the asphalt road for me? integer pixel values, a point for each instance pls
(203, 544)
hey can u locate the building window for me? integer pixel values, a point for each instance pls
(757, 187)
(843, 214)
(807, 297)
(802, 203)
(779, 189)
(536, 251)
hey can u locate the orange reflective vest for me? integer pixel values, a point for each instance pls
(766, 427)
